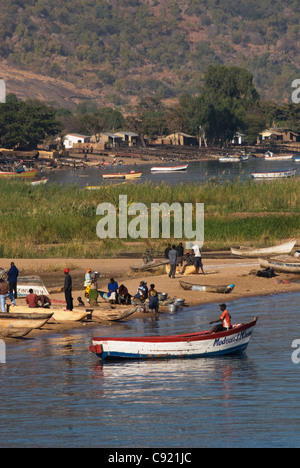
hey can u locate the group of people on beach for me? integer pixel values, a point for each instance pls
(177, 257)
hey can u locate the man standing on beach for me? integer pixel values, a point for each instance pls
(173, 261)
(12, 276)
(197, 259)
(68, 289)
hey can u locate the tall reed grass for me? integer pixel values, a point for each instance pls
(55, 221)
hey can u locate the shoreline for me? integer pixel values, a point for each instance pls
(218, 272)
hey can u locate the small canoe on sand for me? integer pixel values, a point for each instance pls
(59, 315)
(213, 289)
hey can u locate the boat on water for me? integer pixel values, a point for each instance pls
(125, 175)
(274, 174)
(24, 320)
(169, 168)
(39, 182)
(282, 263)
(285, 248)
(233, 158)
(223, 289)
(24, 174)
(192, 345)
(269, 156)
(297, 159)
(59, 315)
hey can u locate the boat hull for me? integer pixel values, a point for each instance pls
(169, 168)
(59, 315)
(25, 174)
(274, 174)
(24, 320)
(31, 282)
(226, 289)
(196, 345)
(267, 251)
(282, 266)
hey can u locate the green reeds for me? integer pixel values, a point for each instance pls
(54, 221)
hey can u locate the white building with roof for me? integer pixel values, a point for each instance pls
(72, 138)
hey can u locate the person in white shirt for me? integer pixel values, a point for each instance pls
(198, 258)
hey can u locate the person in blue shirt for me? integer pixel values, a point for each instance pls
(12, 277)
(113, 291)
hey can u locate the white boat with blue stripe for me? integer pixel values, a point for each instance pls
(193, 345)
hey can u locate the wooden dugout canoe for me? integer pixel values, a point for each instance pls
(223, 289)
(59, 315)
(113, 315)
(284, 263)
(24, 320)
(285, 248)
(23, 175)
(14, 332)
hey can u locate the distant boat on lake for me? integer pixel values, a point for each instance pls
(169, 168)
(269, 156)
(274, 174)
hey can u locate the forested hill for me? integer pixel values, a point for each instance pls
(119, 49)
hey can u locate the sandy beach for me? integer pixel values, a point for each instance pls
(218, 271)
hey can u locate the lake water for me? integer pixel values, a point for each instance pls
(54, 393)
(201, 172)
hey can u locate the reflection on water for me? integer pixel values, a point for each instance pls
(197, 172)
(55, 393)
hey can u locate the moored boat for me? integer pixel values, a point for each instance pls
(124, 175)
(232, 158)
(169, 168)
(223, 289)
(24, 174)
(59, 315)
(193, 345)
(274, 174)
(39, 182)
(284, 263)
(24, 320)
(285, 248)
(269, 156)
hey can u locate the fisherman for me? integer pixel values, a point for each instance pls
(180, 252)
(68, 289)
(225, 320)
(167, 250)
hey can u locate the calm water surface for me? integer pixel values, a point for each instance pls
(54, 393)
(197, 172)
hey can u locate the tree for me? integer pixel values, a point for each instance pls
(24, 124)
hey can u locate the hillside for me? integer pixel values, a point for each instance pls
(111, 51)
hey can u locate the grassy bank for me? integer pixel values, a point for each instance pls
(53, 221)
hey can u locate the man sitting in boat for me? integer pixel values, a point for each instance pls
(225, 320)
(32, 299)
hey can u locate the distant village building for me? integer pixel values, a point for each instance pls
(179, 138)
(278, 135)
(238, 139)
(73, 138)
(129, 138)
(106, 139)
